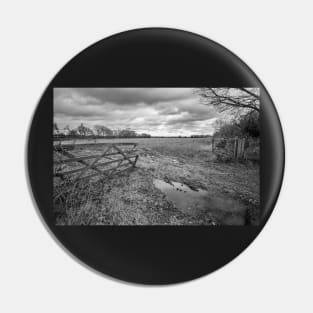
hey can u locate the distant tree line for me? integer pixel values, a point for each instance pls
(98, 131)
(200, 136)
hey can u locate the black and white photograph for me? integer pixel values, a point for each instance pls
(156, 156)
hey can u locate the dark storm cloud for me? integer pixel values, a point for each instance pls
(187, 118)
(159, 111)
(126, 95)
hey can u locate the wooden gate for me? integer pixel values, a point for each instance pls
(234, 147)
(115, 158)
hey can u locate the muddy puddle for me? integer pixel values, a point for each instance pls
(197, 202)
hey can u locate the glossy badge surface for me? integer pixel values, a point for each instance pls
(155, 156)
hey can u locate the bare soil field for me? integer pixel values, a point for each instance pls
(176, 181)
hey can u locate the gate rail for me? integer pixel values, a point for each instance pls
(93, 164)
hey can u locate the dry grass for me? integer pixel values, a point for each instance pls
(75, 203)
(132, 199)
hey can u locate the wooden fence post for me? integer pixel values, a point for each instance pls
(241, 148)
(238, 148)
(235, 147)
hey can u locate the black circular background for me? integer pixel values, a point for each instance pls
(154, 57)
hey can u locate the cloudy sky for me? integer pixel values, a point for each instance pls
(156, 111)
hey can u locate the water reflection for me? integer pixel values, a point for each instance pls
(195, 202)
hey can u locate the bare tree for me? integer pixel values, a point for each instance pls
(98, 129)
(67, 129)
(55, 128)
(128, 133)
(88, 131)
(106, 131)
(82, 130)
(235, 101)
(73, 132)
(103, 131)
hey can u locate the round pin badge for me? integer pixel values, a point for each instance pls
(155, 156)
